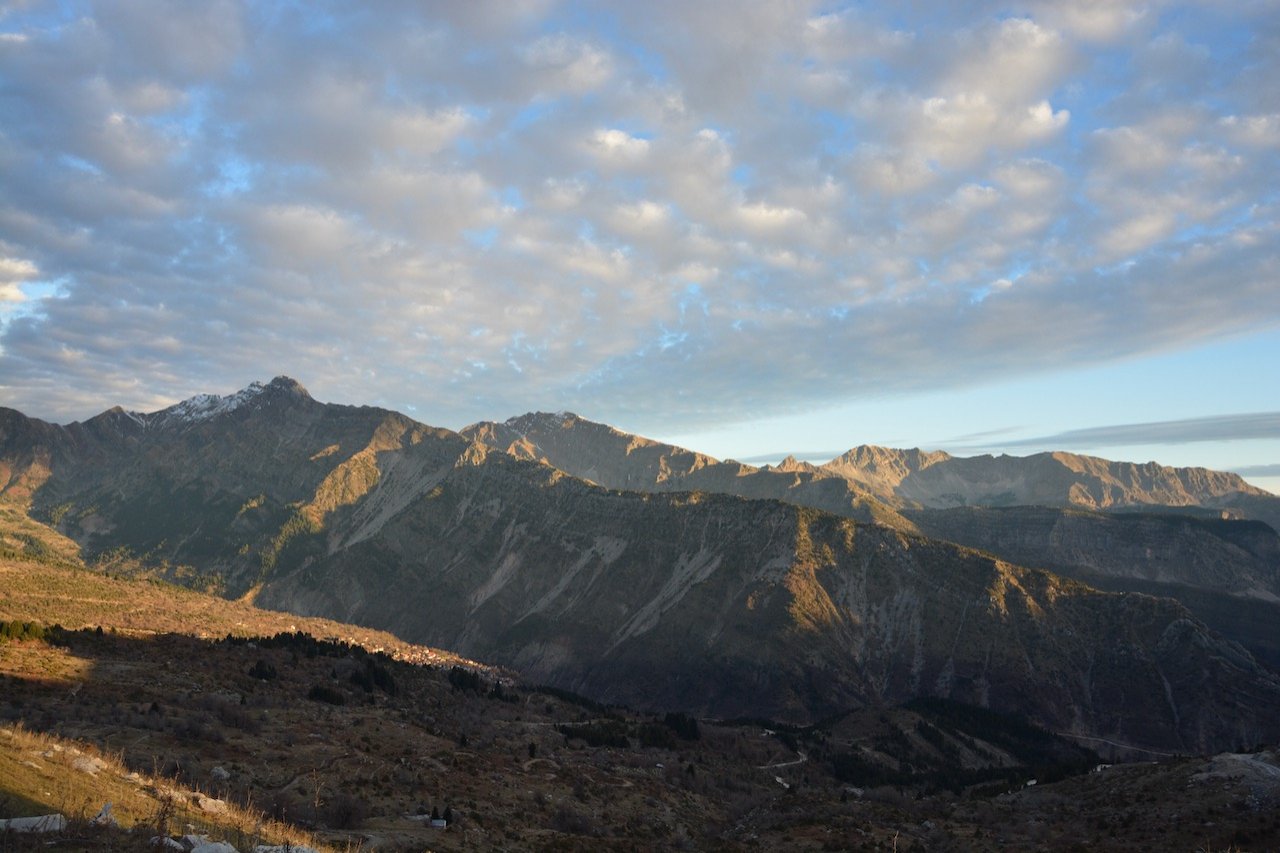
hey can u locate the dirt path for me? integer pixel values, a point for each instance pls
(1071, 736)
(801, 760)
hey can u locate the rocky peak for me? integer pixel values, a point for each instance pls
(882, 467)
(203, 407)
(284, 384)
(791, 465)
(534, 421)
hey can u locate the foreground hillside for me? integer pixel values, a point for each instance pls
(298, 740)
(694, 602)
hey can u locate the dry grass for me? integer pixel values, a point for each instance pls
(81, 598)
(26, 537)
(45, 773)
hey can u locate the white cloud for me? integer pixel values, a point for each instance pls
(420, 133)
(642, 218)
(762, 218)
(14, 272)
(1096, 20)
(617, 147)
(891, 172)
(957, 131)
(1030, 179)
(1261, 131)
(1138, 233)
(566, 64)
(1013, 62)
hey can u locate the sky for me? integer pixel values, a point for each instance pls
(752, 228)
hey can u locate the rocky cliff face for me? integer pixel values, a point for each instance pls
(696, 601)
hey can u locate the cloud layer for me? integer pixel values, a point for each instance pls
(1221, 428)
(659, 213)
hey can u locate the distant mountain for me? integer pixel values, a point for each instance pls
(936, 480)
(618, 460)
(680, 600)
(1051, 509)
(872, 482)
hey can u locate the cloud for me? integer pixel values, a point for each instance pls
(666, 212)
(817, 457)
(13, 273)
(617, 147)
(1096, 20)
(1242, 427)
(1258, 471)
(567, 65)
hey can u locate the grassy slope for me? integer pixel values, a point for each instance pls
(78, 598)
(44, 773)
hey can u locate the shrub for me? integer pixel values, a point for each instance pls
(374, 675)
(465, 679)
(263, 671)
(345, 811)
(601, 733)
(21, 631)
(685, 727)
(324, 693)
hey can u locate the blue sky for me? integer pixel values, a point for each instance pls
(753, 228)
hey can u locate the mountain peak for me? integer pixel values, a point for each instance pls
(202, 407)
(559, 418)
(791, 465)
(283, 383)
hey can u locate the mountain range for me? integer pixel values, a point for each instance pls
(639, 573)
(1206, 538)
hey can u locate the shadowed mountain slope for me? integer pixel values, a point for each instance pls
(1162, 531)
(728, 607)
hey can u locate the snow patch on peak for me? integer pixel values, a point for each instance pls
(202, 407)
